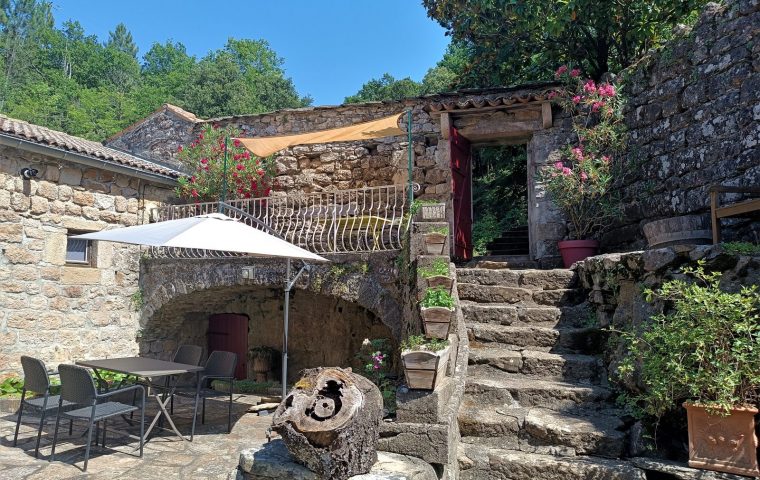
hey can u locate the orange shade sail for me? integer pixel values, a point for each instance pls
(383, 127)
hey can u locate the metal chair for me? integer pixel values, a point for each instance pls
(219, 366)
(77, 386)
(37, 380)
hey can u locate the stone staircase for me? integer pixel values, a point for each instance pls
(536, 402)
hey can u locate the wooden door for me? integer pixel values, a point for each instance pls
(228, 332)
(461, 185)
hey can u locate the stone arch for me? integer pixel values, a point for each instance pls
(352, 302)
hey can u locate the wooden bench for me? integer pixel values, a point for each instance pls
(744, 208)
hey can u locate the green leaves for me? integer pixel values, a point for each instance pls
(704, 347)
(437, 297)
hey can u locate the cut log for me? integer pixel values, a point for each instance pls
(330, 422)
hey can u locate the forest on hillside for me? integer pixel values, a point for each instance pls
(68, 80)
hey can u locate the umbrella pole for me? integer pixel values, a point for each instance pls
(285, 333)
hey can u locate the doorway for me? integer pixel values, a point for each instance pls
(229, 332)
(500, 200)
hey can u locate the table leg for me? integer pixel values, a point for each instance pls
(162, 411)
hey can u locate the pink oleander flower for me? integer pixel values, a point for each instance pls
(589, 86)
(584, 177)
(236, 142)
(551, 95)
(578, 153)
(596, 106)
(179, 149)
(194, 193)
(558, 165)
(606, 158)
(560, 70)
(566, 171)
(575, 72)
(240, 166)
(204, 161)
(577, 99)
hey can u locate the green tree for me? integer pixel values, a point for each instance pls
(515, 41)
(385, 88)
(121, 40)
(244, 77)
(23, 25)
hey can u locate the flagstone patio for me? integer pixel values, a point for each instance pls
(213, 454)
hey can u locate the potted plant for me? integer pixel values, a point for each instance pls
(424, 361)
(437, 274)
(703, 351)
(437, 309)
(435, 240)
(262, 361)
(580, 181)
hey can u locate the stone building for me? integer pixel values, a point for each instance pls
(63, 299)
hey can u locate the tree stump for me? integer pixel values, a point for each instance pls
(330, 422)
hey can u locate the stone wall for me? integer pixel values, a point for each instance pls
(333, 308)
(616, 282)
(694, 118)
(158, 136)
(49, 309)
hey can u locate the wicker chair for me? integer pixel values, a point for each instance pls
(37, 380)
(77, 386)
(187, 354)
(219, 366)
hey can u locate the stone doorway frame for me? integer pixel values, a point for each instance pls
(530, 123)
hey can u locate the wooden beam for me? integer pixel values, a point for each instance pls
(514, 106)
(546, 114)
(445, 125)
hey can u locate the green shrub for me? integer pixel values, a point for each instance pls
(741, 248)
(443, 230)
(705, 347)
(11, 387)
(484, 231)
(419, 342)
(439, 268)
(437, 297)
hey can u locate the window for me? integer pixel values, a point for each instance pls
(79, 251)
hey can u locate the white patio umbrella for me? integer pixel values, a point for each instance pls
(216, 231)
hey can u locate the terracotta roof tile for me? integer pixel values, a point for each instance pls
(64, 141)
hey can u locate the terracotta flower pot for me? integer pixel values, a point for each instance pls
(442, 281)
(423, 369)
(434, 243)
(576, 250)
(437, 321)
(262, 365)
(724, 444)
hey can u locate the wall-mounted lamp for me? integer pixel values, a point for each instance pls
(28, 173)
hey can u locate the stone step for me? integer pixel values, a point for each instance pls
(531, 278)
(575, 316)
(497, 387)
(570, 340)
(539, 430)
(584, 369)
(500, 262)
(484, 463)
(518, 295)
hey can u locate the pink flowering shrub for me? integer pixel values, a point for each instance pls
(376, 365)
(247, 176)
(580, 181)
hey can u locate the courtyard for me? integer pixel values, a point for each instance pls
(213, 453)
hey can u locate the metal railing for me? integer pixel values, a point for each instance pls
(360, 220)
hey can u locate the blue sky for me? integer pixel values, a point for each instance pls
(330, 47)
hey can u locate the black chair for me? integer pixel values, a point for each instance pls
(187, 354)
(37, 380)
(219, 366)
(77, 386)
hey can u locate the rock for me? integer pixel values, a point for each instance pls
(680, 471)
(272, 461)
(657, 259)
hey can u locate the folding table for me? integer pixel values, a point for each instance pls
(146, 368)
